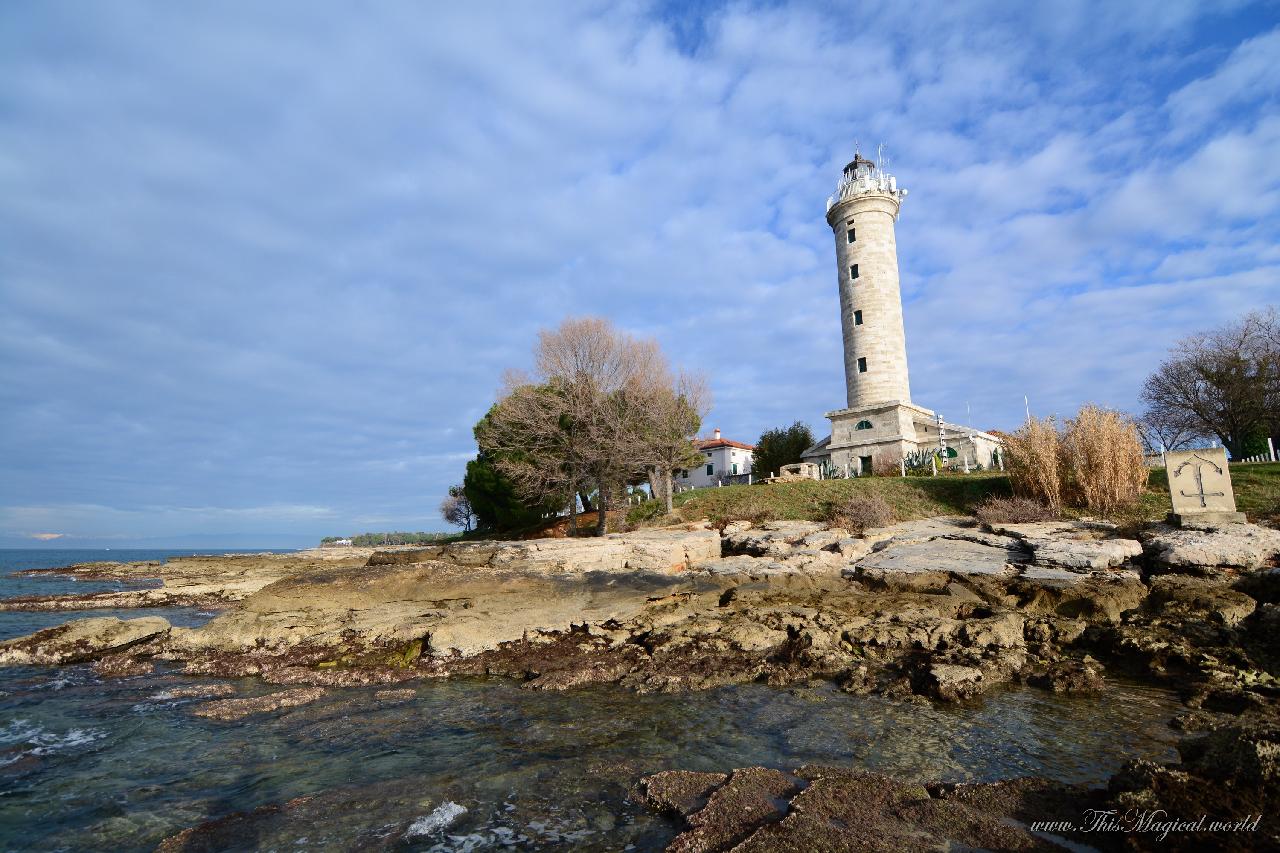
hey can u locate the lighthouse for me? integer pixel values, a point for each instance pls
(880, 426)
(862, 214)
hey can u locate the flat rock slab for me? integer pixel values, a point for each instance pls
(956, 556)
(920, 530)
(80, 640)
(1079, 545)
(665, 550)
(759, 810)
(1237, 546)
(237, 709)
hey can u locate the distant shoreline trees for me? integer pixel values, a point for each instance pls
(600, 410)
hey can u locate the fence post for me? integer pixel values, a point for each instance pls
(748, 478)
(902, 464)
(1271, 448)
(933, 463)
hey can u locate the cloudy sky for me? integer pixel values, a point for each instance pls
(262, 265)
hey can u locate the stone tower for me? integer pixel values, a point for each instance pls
(880, 428)
(862, 214)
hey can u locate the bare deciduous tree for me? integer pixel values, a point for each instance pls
(456, 509)
(601, 408)
(1224, 383)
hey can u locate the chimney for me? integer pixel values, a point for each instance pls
(717, 433)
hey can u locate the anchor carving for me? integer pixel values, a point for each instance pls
(1199, 462)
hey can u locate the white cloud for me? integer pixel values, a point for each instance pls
(279, 257)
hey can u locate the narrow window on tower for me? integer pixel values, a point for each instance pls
(853, 271)
(850, 235)
(857, 318)
(862, 365)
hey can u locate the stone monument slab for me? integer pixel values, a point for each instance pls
(1200, 487)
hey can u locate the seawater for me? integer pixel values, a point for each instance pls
(120, 764)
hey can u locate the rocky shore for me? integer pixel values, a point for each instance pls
(935, 610)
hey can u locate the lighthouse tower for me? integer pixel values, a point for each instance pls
(880, 426)
(862, 214)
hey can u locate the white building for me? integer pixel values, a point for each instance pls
(880, 425)
(721, 458)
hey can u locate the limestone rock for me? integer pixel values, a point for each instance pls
(937, 555)
(751, 798)
(200, 581)
(679, 792)
(237, 709)
(775, 538)
(760, 810)
(952, 683)
(1070, 677)
(1234, 546)
(664, 550)
(1197, 598)
(1075, 545)
(80, 640)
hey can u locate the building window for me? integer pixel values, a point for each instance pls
(850, 235)
(735, 467)
(853, 272)
(711, 469)
(863, 424)
(857, 318)
(862, 365)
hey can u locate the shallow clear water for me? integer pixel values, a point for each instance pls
(93, 764)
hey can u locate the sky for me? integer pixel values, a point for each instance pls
(263, 265)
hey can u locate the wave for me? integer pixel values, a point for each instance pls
(41, 741)
(443, 815)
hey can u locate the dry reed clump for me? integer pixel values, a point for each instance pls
(995, 510)
(1033, 456)
(1102, 463)
(860, 513)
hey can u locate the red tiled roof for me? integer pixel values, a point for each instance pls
(713, 443)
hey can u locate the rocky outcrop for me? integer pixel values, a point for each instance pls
(1230, 776)
(937, 608)
(1074, 545)
(1230, 548)
(238, 709)
(664, 550)
(214, 581)
(835, 809)
(81, 640)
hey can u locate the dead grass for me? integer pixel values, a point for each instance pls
(998, 510)
(1033, 453)
(859, 513)
(1101, 461)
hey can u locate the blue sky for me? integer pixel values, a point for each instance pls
(262, 265)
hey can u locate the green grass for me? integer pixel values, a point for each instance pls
(1257, 489)
(1256, 484)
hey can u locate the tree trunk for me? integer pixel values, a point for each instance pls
(602, 507)
(573, 514)
(666, 489)
(586, 500)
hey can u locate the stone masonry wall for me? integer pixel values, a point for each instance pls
(881, 339)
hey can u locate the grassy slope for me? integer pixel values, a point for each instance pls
(910, 497)
(1256, 484)
(1257, 488)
